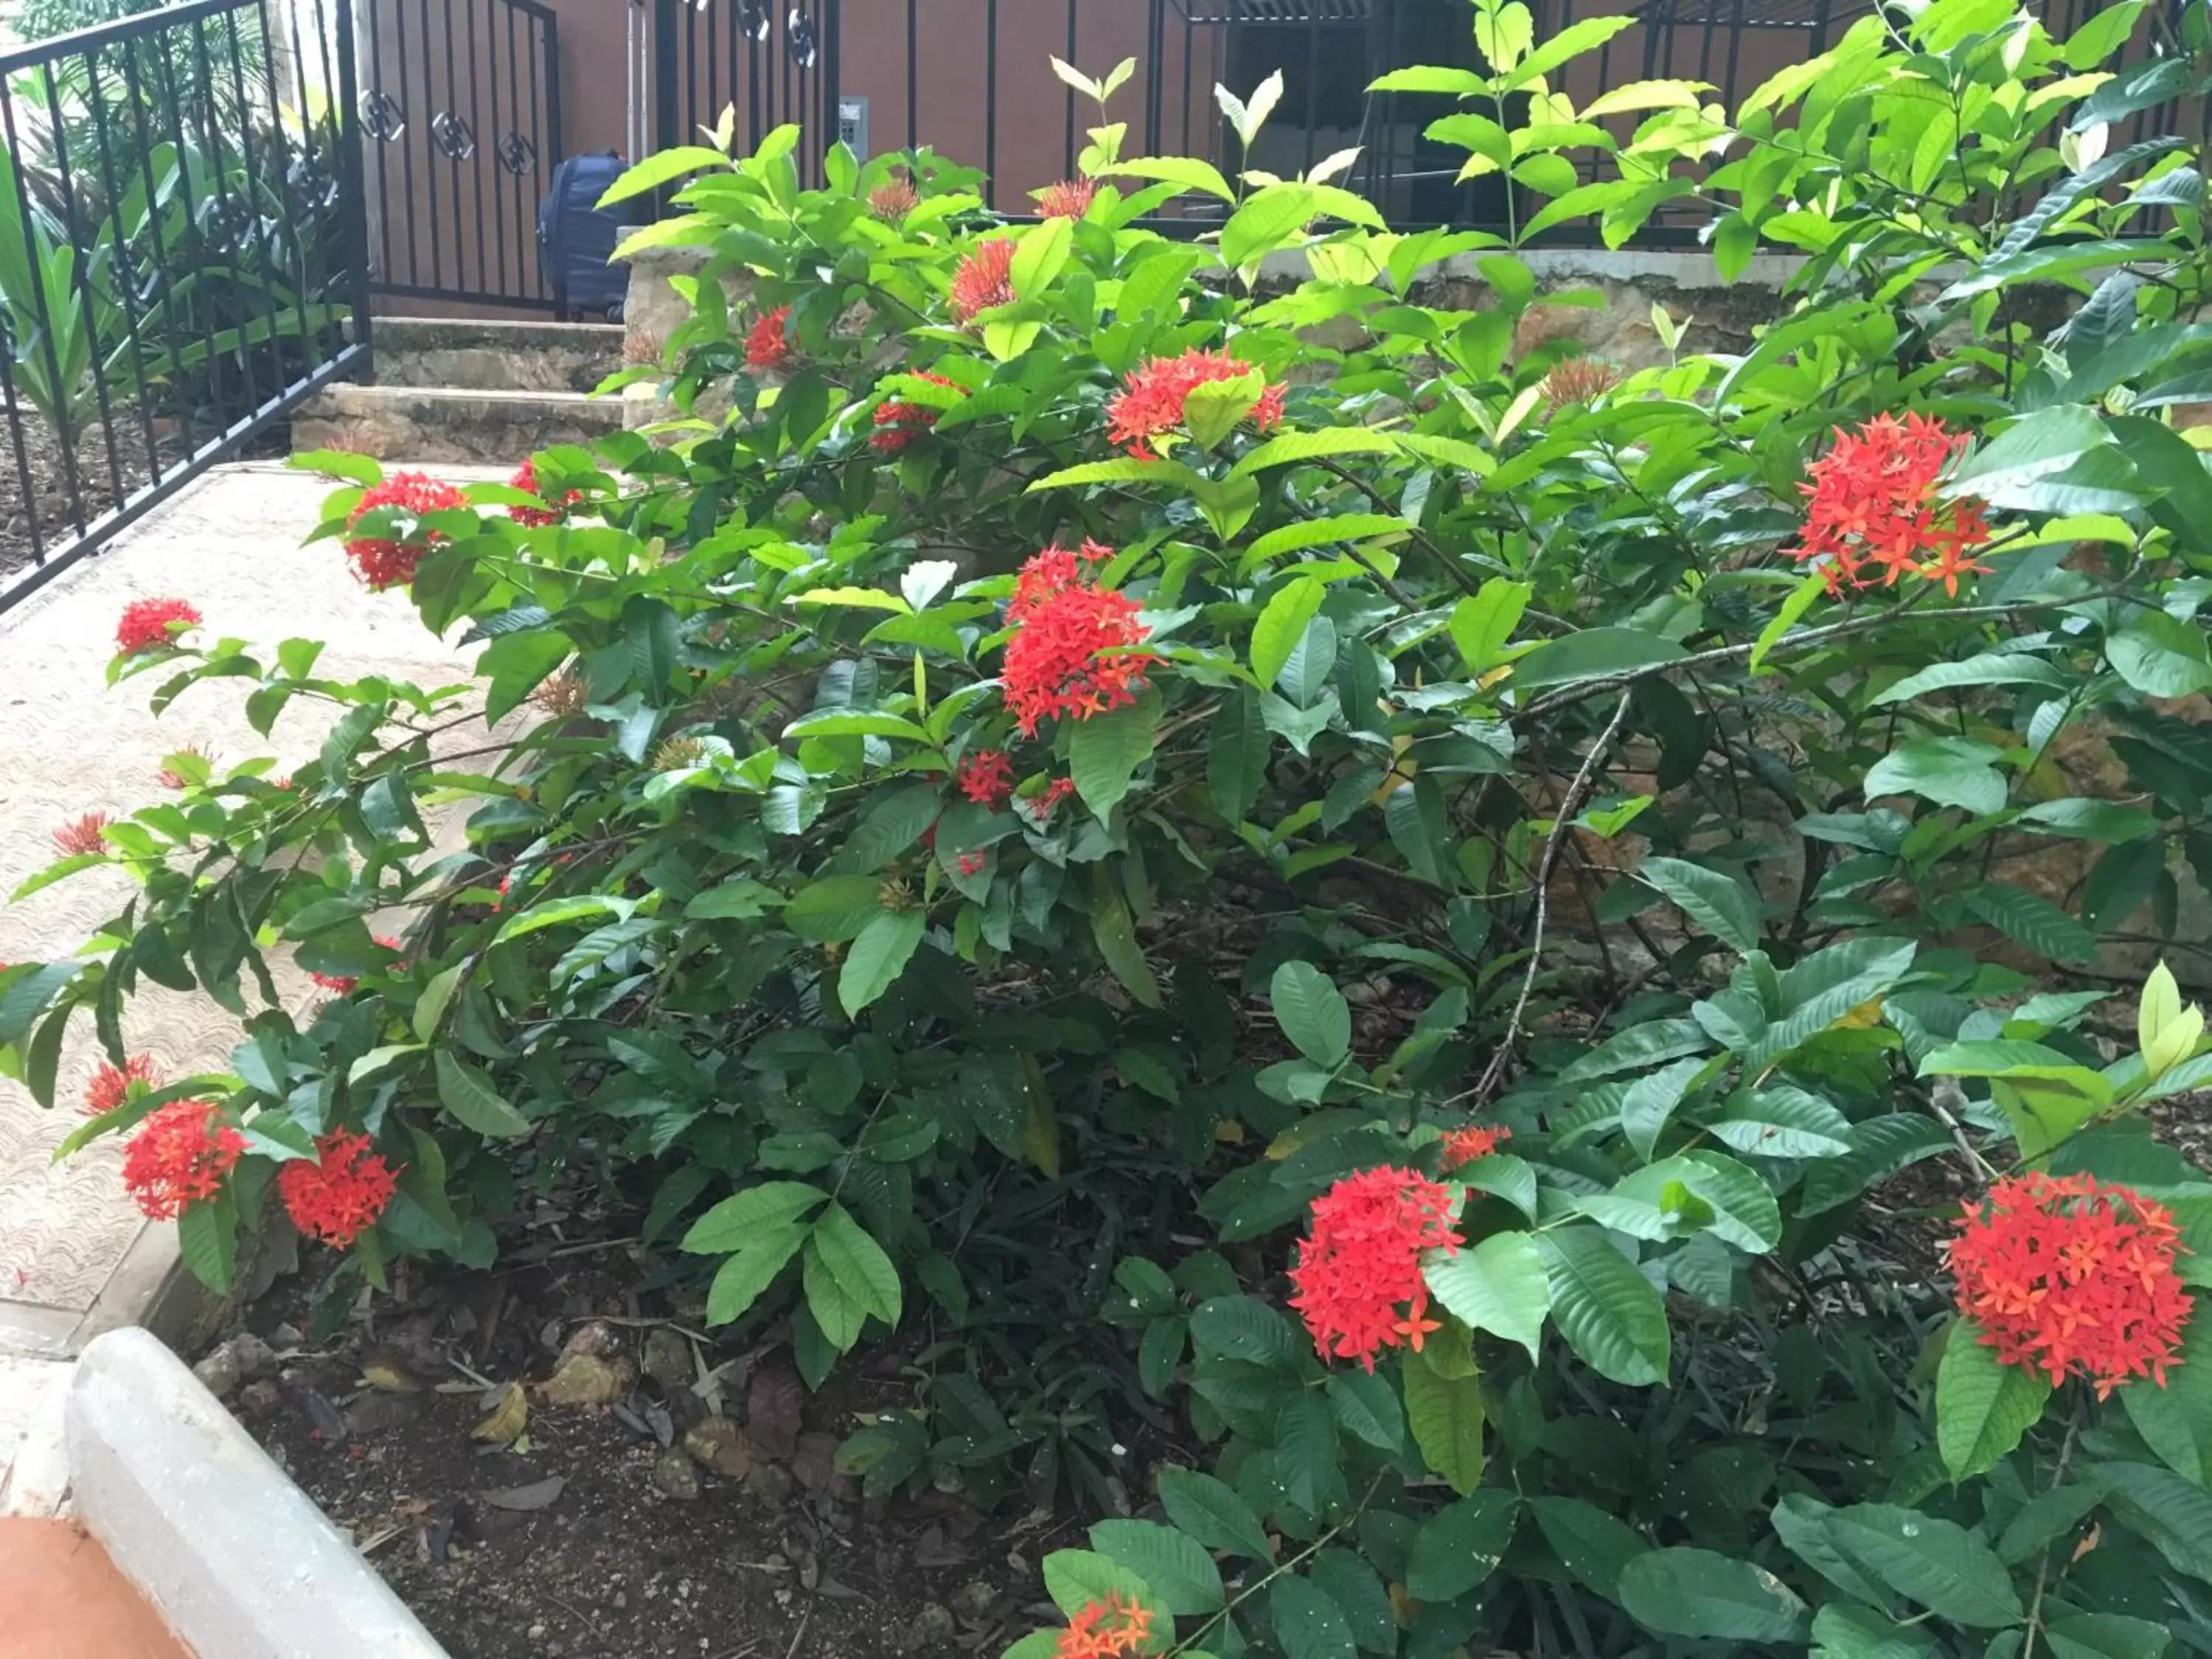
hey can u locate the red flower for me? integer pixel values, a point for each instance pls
(1463, 1146)
(1041, 806)
(985, 279)
(1358, 1278)
(1871, 512)
(972, 863)
(1056, 661)
(381, 563)
(111, 1084)
(1070, 198)
(178, 1157)
(893, 200)
(2072, 1276)
(1159, 388)
(149, 622)
(1115, 1628)
(81, 835)
(766, 347)
(898, 422)
(526, 479)
(987, 777)
(339, 1196)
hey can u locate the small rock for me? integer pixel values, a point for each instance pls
(934, 1623)
(668, 1359)
(722, 1445)
(218, 1372)
(260, 1400)
(769, 1484)
(594, 1336)
(538, 1632)
(287, 1336)
(256, 1358)
(976, 1598)
(587, 1379)
(677, 1475)
(373, 1412)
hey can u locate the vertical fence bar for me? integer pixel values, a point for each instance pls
(262, 224)
(1067, 143)
(81, 275)
(991, 103)
(833, 71)
(1155, 83)
(539, 98)
(126, 268)
(383, 163)
(1189, 63)
(294, 176)
(1313, 84)
(445, 145)
(406, 146)
(539, 281)
(352, 198)
(191, 220)
(487, 145)
(219, 208)
(57, 390)
(760, 115)
(156, 217)
(913, 76)
(499, 184)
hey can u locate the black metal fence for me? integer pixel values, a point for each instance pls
(180, 257)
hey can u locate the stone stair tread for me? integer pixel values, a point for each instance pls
(346, 391)
(444, 424)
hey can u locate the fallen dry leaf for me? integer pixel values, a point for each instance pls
(586, 1379)
(535, 1496)
(509, 1416)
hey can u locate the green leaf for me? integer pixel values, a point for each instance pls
(1782, 1121)
(1605, 1308)
(1186, 171)
(1801, 599)
(1282, 624)
(1040, 256)
(879, 956)
(2106, 1635)
(207, 1240)
(1717, 903)
(857, 1262)
(1212, 1513)
(1312, 1012)
(1172, 1564)
(1994, 668)
(2034, 922)
(2175, 1419)
(1236, 754)
(1590, 1544)
(659, 168)
(1461, 1545)
(1320, 445)
(1949, 771)
(1935, 1563)
(1844, 1630)
(1318, 532)
(516, 662)
(1306, 1460)
(437, 995)
(1445, 1414)
(1594, 654)
(1499, 1285)
(1983, 1407)
(1271, 218)
(2006, 471)
(1308, 1624)
(1076, 1578)
(1483, 623)
(1704, 1594)
(2173, 1516)
(837, 908)
(770, 1206)
(468, 1094)
(2160, 655)
(1115, 935)
(1105, 751)
(1651, 1100)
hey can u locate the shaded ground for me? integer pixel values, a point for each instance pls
(594, 1532)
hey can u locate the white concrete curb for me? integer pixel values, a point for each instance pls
(237, 1558)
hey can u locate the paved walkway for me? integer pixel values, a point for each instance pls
(76, 1257)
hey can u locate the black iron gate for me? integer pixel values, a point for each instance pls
(460, 111)
(764, 62)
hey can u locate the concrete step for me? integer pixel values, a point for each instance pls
(446, 423)
(478, 356)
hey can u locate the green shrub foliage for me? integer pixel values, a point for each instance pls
(1032, 819)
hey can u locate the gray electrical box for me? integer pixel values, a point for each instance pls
(853, 125)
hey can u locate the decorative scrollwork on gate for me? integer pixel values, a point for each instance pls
(517, 154)
(381, 118)
(455, 138)
(754, 18)
(801, 39)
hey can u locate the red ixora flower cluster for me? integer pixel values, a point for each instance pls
(1064, 627)
(892, 200)
(149, 622)
(81, 835)
(971, 864)
(111, 1084)
(1070, 198)
(899, 422)
(341, 984)
(1358, 1277)
(380, 562)
(1159, 388)
(984, 279)
(338, 1195)
(766, 347)
(2069, 1275)
(1872, 514)
(1039, 807)
(1115, 1628)
(178, 1157)
(526, 479)
(1463, 1146)
(987, 777)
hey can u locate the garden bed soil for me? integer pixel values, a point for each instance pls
(594, 1535)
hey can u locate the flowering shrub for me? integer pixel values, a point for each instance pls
(1394, 950)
